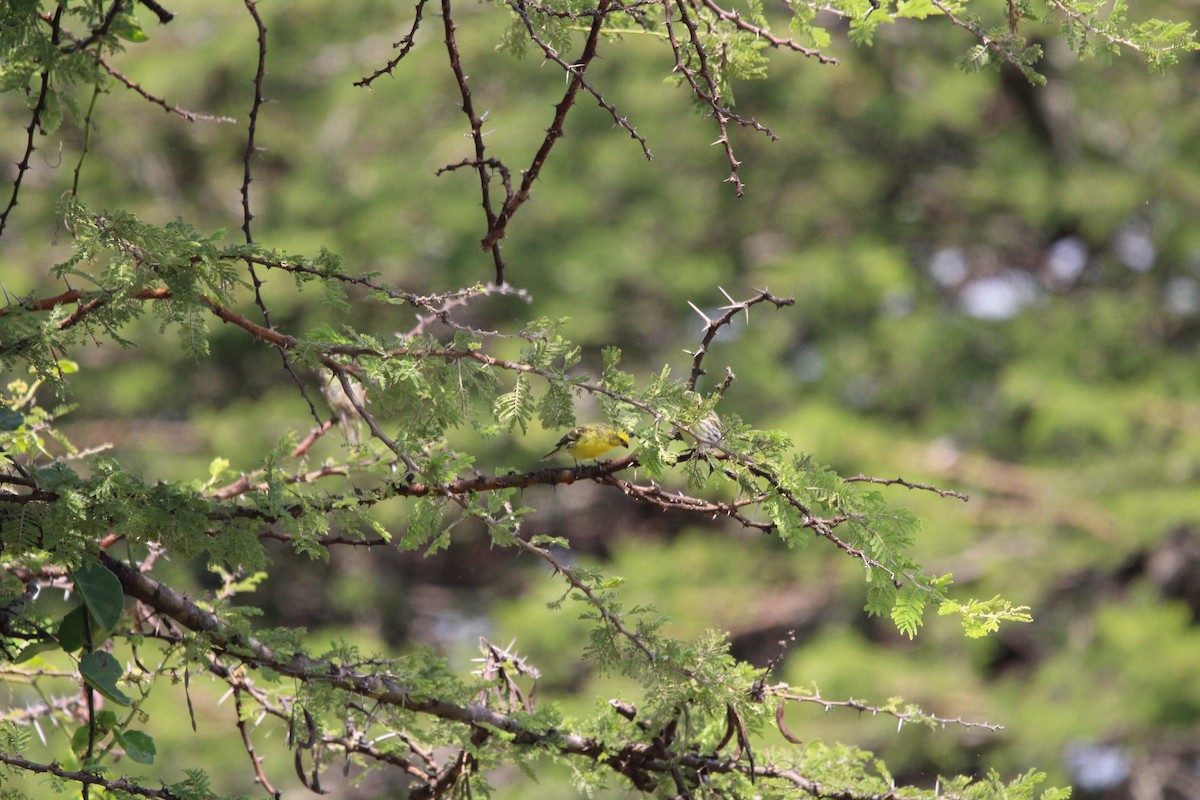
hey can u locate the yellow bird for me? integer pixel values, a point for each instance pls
(590, 441)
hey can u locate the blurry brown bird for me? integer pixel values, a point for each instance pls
(343, 407)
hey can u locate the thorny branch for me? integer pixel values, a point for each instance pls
(35, 120)
(786, 694)
(634, 759)
(996, 46)
(764, 34)
(497, 228)
(105, 24)
(129, 83)
(713, 326)
(247, 177)
(611, 619)
(404, 45)
(860, 478)
(572, 69)
(710, 93)
(822, 527)
(480, 162)
(87, 778)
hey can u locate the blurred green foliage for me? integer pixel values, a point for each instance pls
(998, 291)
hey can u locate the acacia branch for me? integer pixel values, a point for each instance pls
(610, 618)
(571, 69)
(784, 693)
(764, 34)
(821, 527)
(247, 177)
(996, 46)
(710, 93)
(497, 229)
(637, 761)
(480, 161)
(678, 501)
(860, 478)
(405, 44)
(129, 83)
(101, 31)
(713, 326)
(87, 778)
(35, 120)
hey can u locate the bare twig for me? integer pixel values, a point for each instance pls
(860, 478)
(190, 116)
(713, 326)
(35, 119)
(247, 177)
(783, 692)
(405, 45)
(248, 744)
(86, 778)
(496, 228)
(575, 71)
(481, 161)
(764, 34)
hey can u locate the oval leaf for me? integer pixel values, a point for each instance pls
(101, 671)
(127, 27)
(101, 592)
(138, 745)
(10, 420)
(72, 631)
(36, 648)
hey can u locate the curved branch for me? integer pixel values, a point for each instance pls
(405, 44)
(764, 34)
(571, 69)
(35, 120)
(480, 161)
(497, 229)
(87, 778)
(638, 761)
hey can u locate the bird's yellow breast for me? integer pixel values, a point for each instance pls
(591, 447)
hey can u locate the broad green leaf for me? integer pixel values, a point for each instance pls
(105, 722)
(72, 630)
(101, 592)
(101, 671)
(138, 745)
(916, 9)
(127, 27)
(10, 420)
(31, 650)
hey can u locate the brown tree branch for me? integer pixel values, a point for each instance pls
(35, 120)
(86, 778)
(637, 761)
(405, 44)
(481, 161)
(571, 69)
(496, 229)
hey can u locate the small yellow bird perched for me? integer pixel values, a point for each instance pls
(590, 441)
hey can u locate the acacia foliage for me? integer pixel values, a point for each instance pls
(80, 520)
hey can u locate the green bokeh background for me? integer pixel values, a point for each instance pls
(997, 291)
